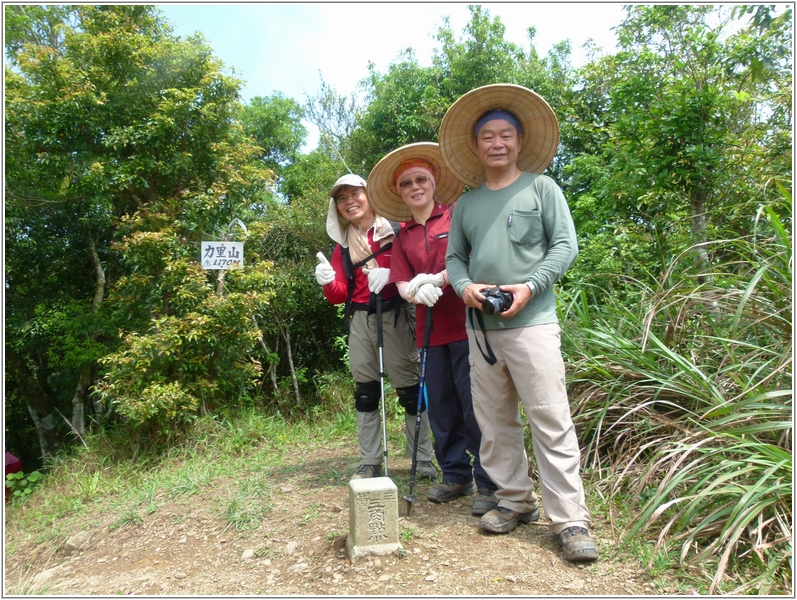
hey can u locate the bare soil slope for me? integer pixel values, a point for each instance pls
(187, 547)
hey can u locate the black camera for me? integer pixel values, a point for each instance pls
(496, 300)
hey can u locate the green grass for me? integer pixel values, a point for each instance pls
(683, 402)
(25, 585)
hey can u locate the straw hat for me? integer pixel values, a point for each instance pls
(385, 197)
(540, 130)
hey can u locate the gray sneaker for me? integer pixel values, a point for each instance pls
(426, 470)
(448, 490)
(504, 520)
(577, 544)
(367, 471)
(484, 502)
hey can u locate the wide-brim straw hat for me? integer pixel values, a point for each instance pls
(385, 197)
(540, 130)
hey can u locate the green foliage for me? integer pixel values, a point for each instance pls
(21, 484)
(299, 320)
(404, 106)
(275, 124)
(684, 400)
(483, 56)
(123, 153)
(199, 358)
(407, 103)
(675, 128)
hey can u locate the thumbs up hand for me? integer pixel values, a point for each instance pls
(324, 273)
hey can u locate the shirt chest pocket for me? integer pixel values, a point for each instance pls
(526, 227)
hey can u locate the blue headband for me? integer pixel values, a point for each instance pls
(498, 113)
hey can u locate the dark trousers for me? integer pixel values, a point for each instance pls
(456, 433)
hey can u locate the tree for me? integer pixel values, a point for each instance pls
(686, 118)
(275, 122)
(123, 151)
(482, 57)
(336, 118)
(408, 102)
(404, 106)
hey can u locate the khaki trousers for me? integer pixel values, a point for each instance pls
(401, 357)
(401, 360)
(530, 366)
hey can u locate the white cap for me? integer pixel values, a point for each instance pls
(349, 179)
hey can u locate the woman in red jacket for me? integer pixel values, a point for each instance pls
(360, 269)
(412, 185)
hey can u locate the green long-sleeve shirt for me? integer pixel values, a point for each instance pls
(520, 233)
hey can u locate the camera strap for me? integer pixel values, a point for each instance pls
(490, 357)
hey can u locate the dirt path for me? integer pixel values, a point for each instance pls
(186, 547)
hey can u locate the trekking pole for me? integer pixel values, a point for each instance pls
(410, 498)
(380, 342)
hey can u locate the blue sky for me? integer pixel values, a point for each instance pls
(289, 48)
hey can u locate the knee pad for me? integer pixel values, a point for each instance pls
(367, 395)
(408, 398)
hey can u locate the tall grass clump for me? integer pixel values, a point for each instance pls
(683, 402)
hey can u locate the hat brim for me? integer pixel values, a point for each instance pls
(386, 200)
(350, 179)
(537, 120)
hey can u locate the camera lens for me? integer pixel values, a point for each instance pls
(491, 305)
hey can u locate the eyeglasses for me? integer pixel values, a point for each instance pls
(419, 180)
(350, 196)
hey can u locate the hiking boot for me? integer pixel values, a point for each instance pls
(448, 490)
(485, 501)
(426, 470)
(367, 471)
(504, 520)
(577, 544)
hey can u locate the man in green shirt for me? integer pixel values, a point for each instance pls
(514, 230)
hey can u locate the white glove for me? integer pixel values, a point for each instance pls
(377, 279)
(422, 278)
(428, 294)
(324, 273)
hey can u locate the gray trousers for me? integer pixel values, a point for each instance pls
(530, 367)
(401, 360)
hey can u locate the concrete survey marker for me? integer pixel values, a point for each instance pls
(373, 517)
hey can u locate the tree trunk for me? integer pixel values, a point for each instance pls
(698, 226)
(220, 283)
(287, 337)
(79, 402)
(99, 285)
(272, 369)
(84, 382)
(40, 404)
(699, 239)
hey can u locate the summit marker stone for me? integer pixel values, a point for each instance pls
(373, 518)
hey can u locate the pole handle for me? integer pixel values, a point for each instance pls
(379, 338)
(427, 330)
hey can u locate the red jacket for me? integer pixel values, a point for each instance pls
(422, 249)
(337, 291)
